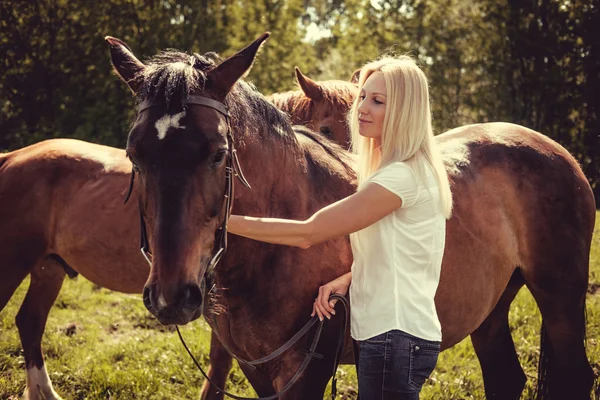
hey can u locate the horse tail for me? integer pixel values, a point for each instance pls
(542, 383)
(3, 159)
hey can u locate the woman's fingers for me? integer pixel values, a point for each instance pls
(323, 307)
(325, 302)
(319, 312)
(318, 304)
(332, 305)
(322, 302)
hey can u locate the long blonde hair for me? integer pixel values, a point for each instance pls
(407, 132)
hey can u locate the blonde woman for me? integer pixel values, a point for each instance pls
(397, 225)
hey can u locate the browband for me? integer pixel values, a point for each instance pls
(197, 100)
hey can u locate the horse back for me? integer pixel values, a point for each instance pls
(528, 170)
(40, 185)
(523, 196)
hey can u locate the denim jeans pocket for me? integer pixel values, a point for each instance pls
(423, 357)
(378, 339)
(373, 347)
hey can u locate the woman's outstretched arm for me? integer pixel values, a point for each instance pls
(346, 216)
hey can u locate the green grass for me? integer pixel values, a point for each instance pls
(104, 345)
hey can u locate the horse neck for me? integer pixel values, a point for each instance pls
(289, 182)
(295, 104)
(276, 170)
(291, 175)
(262, 164)
(272, 158)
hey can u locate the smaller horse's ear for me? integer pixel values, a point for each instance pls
(125, 63)
(225, 75)
(311, 89)
(355, 76)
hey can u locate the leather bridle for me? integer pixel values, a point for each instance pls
(232, 169)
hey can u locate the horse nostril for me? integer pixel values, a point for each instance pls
(192, 296)
(146, 297)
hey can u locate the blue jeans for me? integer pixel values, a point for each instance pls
(394, 365)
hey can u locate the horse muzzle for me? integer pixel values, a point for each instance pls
(184, 304)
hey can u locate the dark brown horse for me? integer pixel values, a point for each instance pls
(69, 217)
(524, 215)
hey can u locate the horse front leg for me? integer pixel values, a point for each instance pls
(218, 370)
(312, 382)
(46, 282)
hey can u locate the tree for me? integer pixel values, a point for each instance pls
(56, 79)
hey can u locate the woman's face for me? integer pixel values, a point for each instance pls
(371, 109)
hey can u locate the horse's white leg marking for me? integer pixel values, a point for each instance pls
(39, 385)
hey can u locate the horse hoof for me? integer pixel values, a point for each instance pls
(39, 394)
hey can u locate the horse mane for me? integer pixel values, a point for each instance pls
(295, 101)
(339, 94)
(171, 76)
(334, 150)
(269, 119)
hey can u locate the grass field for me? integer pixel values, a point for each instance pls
(104, 345)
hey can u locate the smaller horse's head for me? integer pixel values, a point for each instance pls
(326, 108)
(181, 148)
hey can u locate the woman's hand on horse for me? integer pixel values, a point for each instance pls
(322, 306)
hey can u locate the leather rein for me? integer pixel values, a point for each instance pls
(233, 168)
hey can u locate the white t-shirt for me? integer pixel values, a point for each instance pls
(397, 260)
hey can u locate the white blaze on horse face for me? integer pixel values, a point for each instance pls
(167, 122)
(39, 385)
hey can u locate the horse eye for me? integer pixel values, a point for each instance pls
(325, 130)
(219, 157)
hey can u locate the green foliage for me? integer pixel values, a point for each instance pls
(534, 63)
(56, 78)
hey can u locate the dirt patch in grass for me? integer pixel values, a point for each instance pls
(70, 329)
(149, 322)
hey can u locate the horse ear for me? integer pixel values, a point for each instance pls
(226, 74)
(355, 76)
(125, 63)
(311, 89)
